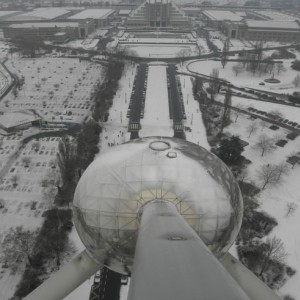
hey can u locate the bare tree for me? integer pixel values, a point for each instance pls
(224, 54)
(17, 248)
(52, 178)
(198, 85)
(296, 81)
(66, 159)
(57, 243)
(251, 128)
(272, 250)
(237, 69)
(282, 169)
(276, 113)
(36, 146)
(26, 161)
(263, 124)
(237, 111)
(243, 175)
(268, 175)
(2, 203)
(265, 144)
(214, 82)
(280, 68)
(291, 207)
(15, 180)
(226, 112)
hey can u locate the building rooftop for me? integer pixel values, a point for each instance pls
(40, 14)
(124, 11)
(13, 119)
(222, 15)
(44, 25)
(275, 15)
(273, 24)
(4, 13)
(92, 14)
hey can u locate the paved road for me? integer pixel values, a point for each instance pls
(108, 288)
(282, 97)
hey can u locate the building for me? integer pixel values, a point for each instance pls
(158, 13)
(101, 17)
(18, 120)
(288, 31)
(254, 25)
(216, 18)
(42, 31)
(36, 15)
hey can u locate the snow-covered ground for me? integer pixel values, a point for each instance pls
(4, 49)
(19, 208)
(160, 44)
(194, 128)
(157, 118)
(274, 199)
(246, 78)
(115, 129)
(59, 89)
(67, 72)
(161, 51)
(288, 112)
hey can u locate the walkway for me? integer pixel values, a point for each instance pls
(156, 116)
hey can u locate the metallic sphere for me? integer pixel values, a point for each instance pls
(118, 183)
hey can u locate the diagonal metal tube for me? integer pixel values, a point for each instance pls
(171, 261)
(67, 279)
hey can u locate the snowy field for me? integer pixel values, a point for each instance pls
(274, 199)
(59, 89)
(115, 129)
(86, 44)
(160, 44)
(157, 118)
(24, 201)
(64, 75)
(161, 51)
(246, 78)
(194, 128)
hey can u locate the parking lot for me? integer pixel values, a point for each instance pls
(59, 89)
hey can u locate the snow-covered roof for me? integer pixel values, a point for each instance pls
(221, 15)
(60, 34)
(93, 14)
(13, 119)
(124, 11)
(275, 15)
(7, 12)
(273, 24)
(191, 9)
(39, 14)
(45, 25)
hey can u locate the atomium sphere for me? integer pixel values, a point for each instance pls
(119, 182)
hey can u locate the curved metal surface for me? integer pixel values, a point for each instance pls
(171, 261)
(118, 183)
